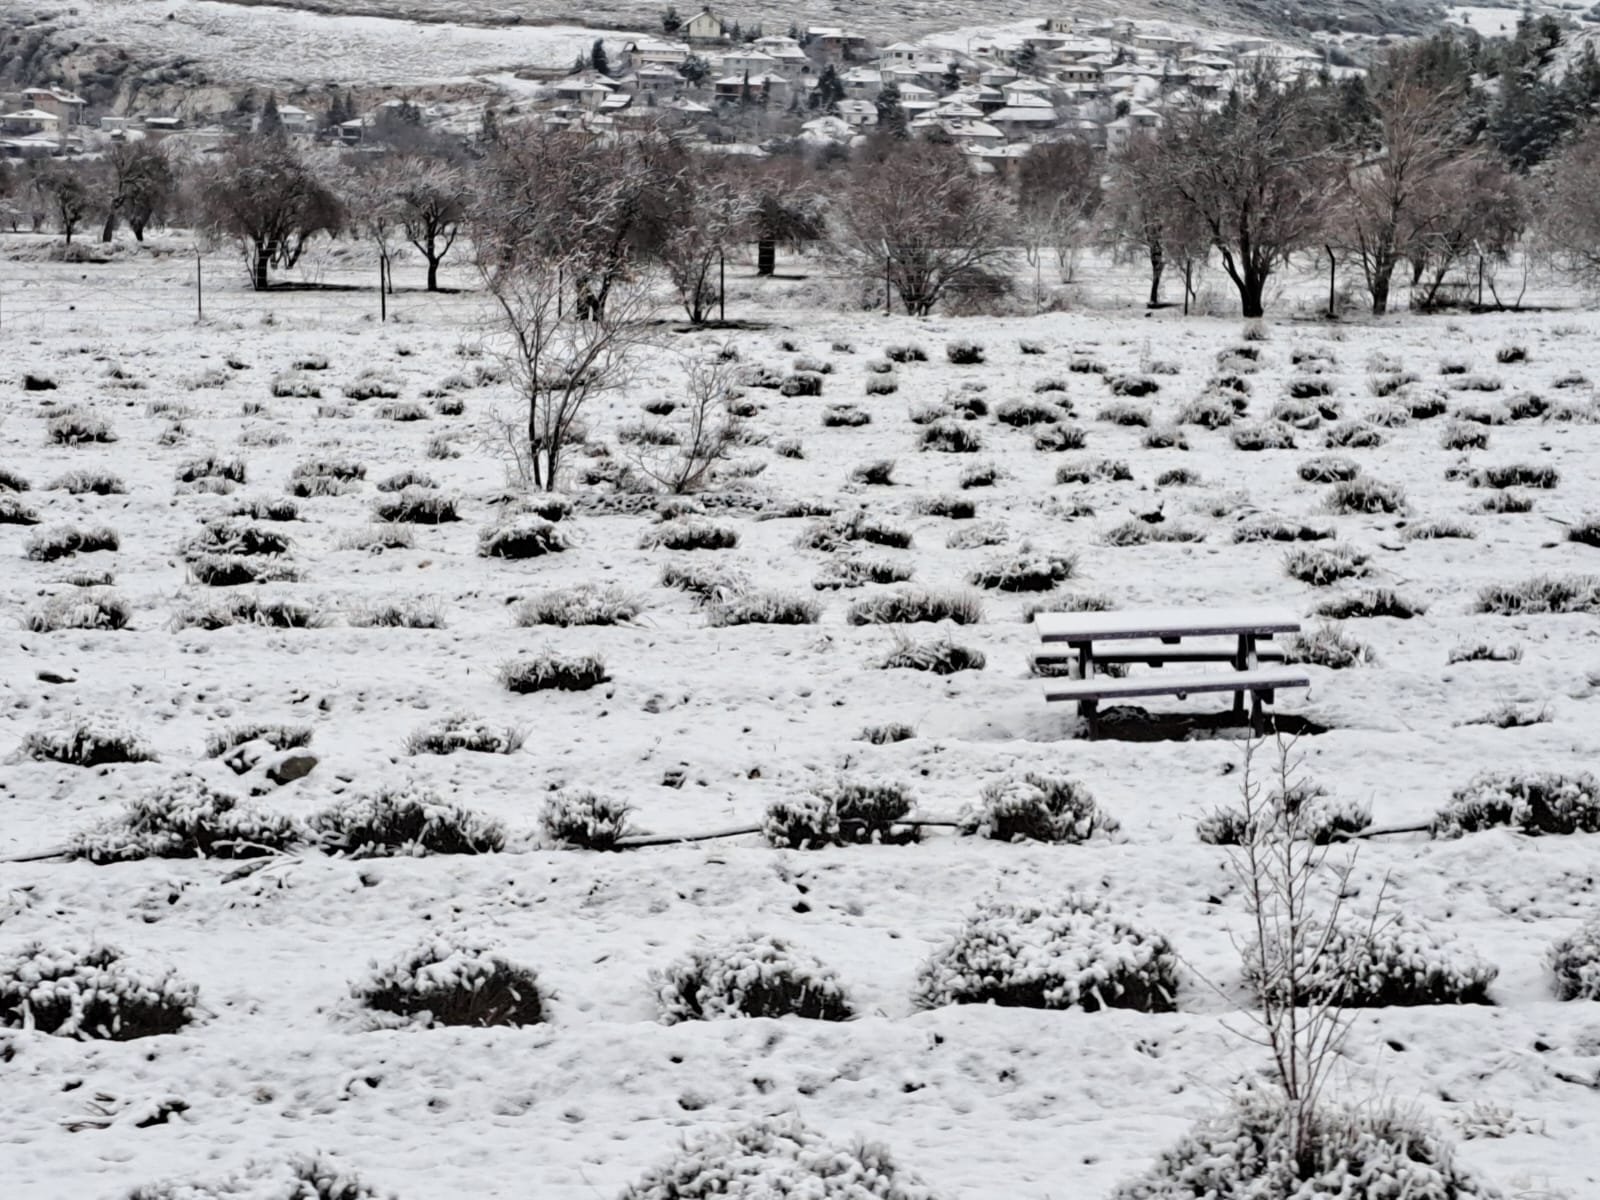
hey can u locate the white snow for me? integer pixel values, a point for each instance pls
(981, 1102)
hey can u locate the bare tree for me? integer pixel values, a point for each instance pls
(788, 210)
(1255, 172)
(1389, 196)
(1058, 192)
(266, 196)
(1567, 214)
(1145, 218)
(709, 212)
(1482, 214)
(560, 357)
(367, 194)
(1295, 959)
(922, 221)
(707, 432)
(141, 183)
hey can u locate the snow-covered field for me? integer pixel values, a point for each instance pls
(701, 728)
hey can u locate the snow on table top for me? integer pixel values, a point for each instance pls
(1164, 622)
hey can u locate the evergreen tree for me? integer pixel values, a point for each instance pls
(794, 31)
(598, 58)
(891, 111)
(338, 111)
(270, 124)
(1026, 60)
(671, 22)
(951, 80)
(695, 70)
(488, 129)
(744, 89)
(829, 90)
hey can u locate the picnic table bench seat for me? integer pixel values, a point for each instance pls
(1261, 684)
(1157, 654)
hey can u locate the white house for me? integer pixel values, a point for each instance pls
(295, 119)
(900, 52)
(659, 54)
(703, 29)
(862, 82)
(858, 114)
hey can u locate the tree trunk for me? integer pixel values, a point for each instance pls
(1251, 287)
(1380, 290)
(263, 262)
(766, 257)
(433, 274)
(66, 228)
(1158, 263)
(110, 227)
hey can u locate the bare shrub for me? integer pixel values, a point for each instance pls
(453, 980)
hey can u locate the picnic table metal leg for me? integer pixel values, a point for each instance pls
(1257, 724)
(1088, 710)
(1244, 660)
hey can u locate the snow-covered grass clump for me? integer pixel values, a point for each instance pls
(453, 979)
(91, 992)
(1395, 961)
(1041, 808)
(187, 818)
(404, 821)
(86, 743)
(1575, 962)
(850, 811)
(1532, 802)
(582, 820)
(757, 975)
(1066, 953)
(298, 1177)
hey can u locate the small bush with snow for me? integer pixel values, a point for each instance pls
(86, 743)
(1067, 953)
(847, 812)
(1575, 962)
(757, 975)
(1041, 808)
(91, 992)
(772, 607)
(581, 604)
(1027, 570)
(55, 542)
(582, 820)
(1541, 594)
(1533, 802)
(187, 818)
(1401, 963)
(97, 608)
(454, 979)
(460, 731)
(916, 604)
(690, 533)
(1324, 565)
(549, 671)
(404, 821)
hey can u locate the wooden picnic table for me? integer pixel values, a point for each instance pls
(1155, 637)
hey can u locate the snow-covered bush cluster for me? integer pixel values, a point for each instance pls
(757, 975)
(404, 822)
(453, 979)
(582, 604)
(583, 820)
(1533, 802)
(1575, 961)
(1396, 962)
(1247, 1152)
(87, 743)
(909, 605)
(186, 818)
(91, 992)
(1322, 818)
(777, 1156)
(850, 811)
(690, 533)
(1066, 953)
(940, 656)
(96, 609)
(1028, 570)
(1042, 808)
(299, 1177)
(549, 671)
(462, 731)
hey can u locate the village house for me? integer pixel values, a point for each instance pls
(67, 108)
(792, 61)
(28, 122)
(833, 43)
(658, 79)
(296, 119)
(742, 61)
(658, 54)
(1163, 45)
(900, 52)
(974, 133)
(1058, 25)
(704, 29)
(1024, 115)
(589, 93)
(862, 83)
(858, 114)
(1124, 129)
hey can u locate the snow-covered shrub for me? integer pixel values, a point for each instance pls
(1575, 962)
(1055, 438)
(96, 609)
(233, 536)
(1208, 412)
(186, 818)
(1434, 530)
(55, 542)
(882, 385)
(1066, 953)
(86, 744)
(273, 612)
(265, 508)
(522, 537)
(375, 383)
(1086, 366)
(1041, 808)
(844, 416)
(690, 533)
(1094, 470)
(1132, 386)
(37, 381)
(1352, 435)
(964, 353)
(377, 538)
(1247, 1152)
(279, 737)
(91, 992)
(1506, 502)
(959, 508)
(1329, 468)
(1265, 435)
(1302, 414)
(1325, 818)
(789, 448)
(1534, 802)
(916, 604)
(1327, 646)
(400, 480)
(581, 820)
(983, 474)
(1476, 383)
(550, 671)
(841, 814)
(1277, 529)
(417, 506)
(449, 406)
(1020, 413)
(1585, 530)
(1165, 437)
(231, 570)
(581, 604)
(453, 979)
(1542, 594)
(854, 572)
(404, 822)
(461, 731)
(294, 385)
(886, 735)
(77, 428)
(397, 614)
(1125, 414)
(1398, 963)
(299, 1177)
(949, 435)
(905, 354)
(777, 1156)
(771, 607)
(802, 383)
(211, 466)
(1386, 383)
(878, 473)
(648, 434)
(1515, 475)
(1309, 387)
(707, 583)
(1324, 565)
(89, 483)
(14, 512)
(1370, 602)
(757, 975)
(1027, 570)
(859, 526)
(1134, 532)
